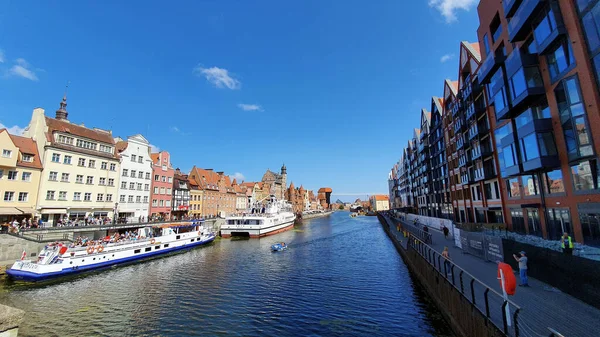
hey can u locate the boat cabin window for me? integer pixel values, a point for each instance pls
(137, 251)
(166, 245)
(157, 247)
(148, 249)
(177, 237)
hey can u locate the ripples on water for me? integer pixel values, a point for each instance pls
(341, 276)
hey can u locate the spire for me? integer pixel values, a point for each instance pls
(62, 113)
(283, 169)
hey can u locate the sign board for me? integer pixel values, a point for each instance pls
(457, 238)
(493, 249)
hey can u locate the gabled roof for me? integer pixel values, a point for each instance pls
(121, 146)
(206, 179)
(417, 133)
(473, 48)
(26, 146)
(76, 130)
(381, 197)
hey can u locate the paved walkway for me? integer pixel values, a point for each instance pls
(542, 306)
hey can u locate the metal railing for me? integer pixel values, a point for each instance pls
(504, 314)
(416, 231)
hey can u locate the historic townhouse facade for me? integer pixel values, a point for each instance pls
(181, 195)
(20, 173)
(81, 168)
(161, 195)
(208, 182)
(196, 194)
(439, 193)
(136, 178)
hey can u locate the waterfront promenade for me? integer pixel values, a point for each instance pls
(542, 306)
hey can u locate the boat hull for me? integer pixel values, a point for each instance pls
(257, 233)
(28, 276)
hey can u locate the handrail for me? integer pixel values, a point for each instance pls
(108, 226)
(554, 333)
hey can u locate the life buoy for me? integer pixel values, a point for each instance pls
(152, 241)
(100, 249)
(90, 249)
(510, 281)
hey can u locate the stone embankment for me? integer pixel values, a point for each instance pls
(307, 216)
(10, 318)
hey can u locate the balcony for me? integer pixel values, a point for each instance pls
(510, 7)
(460, 143)
(470, 111)
(484, 173)
(459, 125)
(489, 66)
(477, 130)
(520, 23)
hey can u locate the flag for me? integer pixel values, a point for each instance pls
(24, 255)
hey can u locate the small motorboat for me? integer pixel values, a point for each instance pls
(278, 247)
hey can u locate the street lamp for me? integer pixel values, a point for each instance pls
(115, 213)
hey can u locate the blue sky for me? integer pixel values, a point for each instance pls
(331, 88)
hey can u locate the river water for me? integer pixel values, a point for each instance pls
(341, 276)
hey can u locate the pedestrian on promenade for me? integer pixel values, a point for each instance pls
(425, 229)
(446, 231)
(522, 268)
(446, 256)
(566, 243)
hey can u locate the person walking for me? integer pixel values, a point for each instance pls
(522, 268)
(446, 231)
(566, 243)
(446, 256)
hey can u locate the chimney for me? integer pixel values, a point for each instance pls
(61, 113)
(220, 173)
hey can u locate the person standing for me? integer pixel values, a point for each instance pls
(566, 243)
(446, 256)
(522, 268)
(446, 231)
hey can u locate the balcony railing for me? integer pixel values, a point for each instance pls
(520, 23)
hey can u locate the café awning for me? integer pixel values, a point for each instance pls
(27, 210)
(54, 211)
(10, 211)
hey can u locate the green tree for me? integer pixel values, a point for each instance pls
(341, 207)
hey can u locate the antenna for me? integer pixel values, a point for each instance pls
(67, 88)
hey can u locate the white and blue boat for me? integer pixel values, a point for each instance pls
(57, 260)
(279, 247)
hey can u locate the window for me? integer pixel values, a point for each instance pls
(65, 140)
(25, 176)
(509, 156)
(573, 118)
(86, 145)
(89, 180)
(145, 199)
(138, 199)
(12, 175)
(109, 197)
(146, 187)
(102, 181)
(540, 111)
(585, 175)
(122, 198)
(23, 196)
(81, 162)
(553, 182)
(100, 197)
(170, 180)
(544, 25)
(163, 178)
(155, 190)
(92, 164)
(559, 59)
(500, 100)
(139, 186)
(169, 190)
(62, 195)
(530, 186)
(513, 188)
(53, 176)
(156, 177)
(67, 160)
(56, 158)
(154, 202)
(132, 174)
(133, 157)
(496, 28)
(161, 203)
(103, 165)
(49, 195)
(559, 221)
(529, 148)
(130, 198)
(162, 190)
(8, 196)
(27, 158)
(125, 172)
(486, 44)
(111, 182)
(6, 153)
(87, 196)
(140, 159)
(113, 167)
(147, 175)
(124, 185)
(79, 179)
(107, 149)
(64, 177)
(168, 203)
(141, 175)
(132, 186)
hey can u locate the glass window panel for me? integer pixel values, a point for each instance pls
(554, 182)
(529, 147)
(524, 118)
(499, 100)
(582, 133)
(547, 144)
(577, 109)
(530, 186)
(518, 84)
(582, 4)
(570, 139)
(591, 30)
(572, 90)
(509, 159)
(585, 175)
(533, 77)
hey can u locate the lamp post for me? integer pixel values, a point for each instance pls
(115, 213)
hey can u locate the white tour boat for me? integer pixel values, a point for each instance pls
(261, 220)
(58, 259)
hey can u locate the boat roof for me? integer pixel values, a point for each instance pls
(182, 225)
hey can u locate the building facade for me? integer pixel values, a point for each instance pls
(161, 194)
(196, 195)
(181, 195)
(379, 203)
(208, 181)
(20, 173)
(136, 178)
(81, 168)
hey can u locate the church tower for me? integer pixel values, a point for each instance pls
(283, 182)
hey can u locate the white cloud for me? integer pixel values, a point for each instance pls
(238, 176)
(174, 129)
(154, 148)
(446, 58)
(250, 107)
(1, 56)
(448, 8)
(13, 130)
(23, 69)
(178, 130)
(217, 76)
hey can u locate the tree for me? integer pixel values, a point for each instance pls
(341, 207)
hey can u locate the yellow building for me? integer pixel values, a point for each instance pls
(196, 195)
(20, 172)
(81, 168)
(380, 203)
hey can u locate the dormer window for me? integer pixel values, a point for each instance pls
(27, 158)
(65, 139)
(86, 144)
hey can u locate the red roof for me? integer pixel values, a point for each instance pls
(26, 146)
(121, 146)
(55, 125)
(381, 197)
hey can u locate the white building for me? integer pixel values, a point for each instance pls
(80, 176)
(136, 177)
